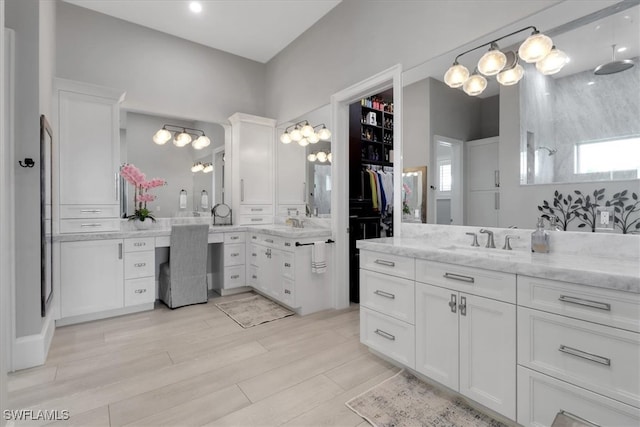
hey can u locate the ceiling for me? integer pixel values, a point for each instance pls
(253, 29)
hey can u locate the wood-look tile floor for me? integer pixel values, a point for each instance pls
(195, 366)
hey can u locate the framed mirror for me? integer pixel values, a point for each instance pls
(46, 261)
(414, 194)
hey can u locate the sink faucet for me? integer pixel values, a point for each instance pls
(507, 241)
(490, 242)
(475, 239)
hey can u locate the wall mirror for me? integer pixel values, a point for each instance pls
(46, 271)
(173, 164)
(414, 194)
(501, 139)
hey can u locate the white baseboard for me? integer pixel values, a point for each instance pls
(32, 350)
(105, 314)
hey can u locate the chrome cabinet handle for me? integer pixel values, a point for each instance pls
(242, 190)
(256, 209)
(235, 237)
(140, 291)
(93, 224)
(286, 264)
(584, 355)
(385, 262)
(496, 201)
(385, 294)
(574, 417)
(453, 303)
(90, 210)
(140, 264)
(585, 302)
(268, 240)
(496, 178)
(139, 244)
(287, 291)
(463, 306)
(254, 254)
(117, 185)
(119, 250)
(384, 334)
(235, 276)
(253, 276)
(256, 219)
(287, 243)
(234, 254)
(459, 277)
(254, 237)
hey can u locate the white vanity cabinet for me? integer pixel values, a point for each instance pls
(139, 271)
(234, 260)
(252, 168)
(88, 160)
(91, 277)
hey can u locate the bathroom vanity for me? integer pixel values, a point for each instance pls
(525, 335)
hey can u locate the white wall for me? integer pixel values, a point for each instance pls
(160, 73)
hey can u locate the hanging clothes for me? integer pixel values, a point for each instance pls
(374, 190)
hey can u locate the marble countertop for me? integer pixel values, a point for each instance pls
(611, 273)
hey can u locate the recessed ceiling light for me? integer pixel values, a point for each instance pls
(597, 27)
(195, 7)
(622, 49)
(591, 83)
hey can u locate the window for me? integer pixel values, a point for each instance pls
(607, 156)
(445, 175)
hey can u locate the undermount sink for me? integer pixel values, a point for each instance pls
(488, 252)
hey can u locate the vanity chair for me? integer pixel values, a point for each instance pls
(183, 280)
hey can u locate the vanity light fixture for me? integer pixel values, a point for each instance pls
(197, 167)
(208, 167)
(320, 156)
(304, 134)
(182, 136)
(537, 48)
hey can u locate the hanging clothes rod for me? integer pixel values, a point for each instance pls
(308, 244)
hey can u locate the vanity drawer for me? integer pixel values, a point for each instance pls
(234, 277)
(475, 281)
(541, 397)
(254, 219)
(139, 291)
(234, 254)
(390, 295)
(288, 265)
(234, 237)
(89, 211)
(270, 241)
(389, 336)
(138, 245)
(252, 254)
(388, 264)
(605, 306)
(139, 264)
(252, 276)
(288, 245)
(256, 210)
(288, 296)
(599, 358)
(89, 225)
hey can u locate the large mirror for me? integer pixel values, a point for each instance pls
(173, 164)
(46, 254)
(483, 151)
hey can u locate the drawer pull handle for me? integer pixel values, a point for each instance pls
(253, 276)
(140, 291)
(268, 240)
(287, 291)
(453, 304)
(93, 224)
(385, 262)
(140, 264)
(90, 210)
(235, 254)
(574, 417)
(385, 294)
(254, 237)
(256, 219)
(286, 264)
(234, 237)
(139, 244)
(235, 276)
(459, 277)
(587, 303)
(287, 243)
(584, 355)
(254, 254)
(386, 335)
(256, 209)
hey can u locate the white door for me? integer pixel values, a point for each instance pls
(488, 353)
(483, 182)
(91, 277)
(437, 334)
(448, 189)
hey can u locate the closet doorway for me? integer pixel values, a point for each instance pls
(448, 184)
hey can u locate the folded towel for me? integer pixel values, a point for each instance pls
(318, 258)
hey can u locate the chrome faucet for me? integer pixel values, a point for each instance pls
(507, 241)
(490, 242)
(475, 239)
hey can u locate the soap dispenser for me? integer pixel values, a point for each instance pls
(540, 238)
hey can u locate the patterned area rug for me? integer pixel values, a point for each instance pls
(405, 401)
(254, 310)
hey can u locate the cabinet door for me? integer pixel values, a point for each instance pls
(437, 334)
(276, 281)
(256, 164)
(263, 261)
(89, 149)
(488, 353)
(91, 277)
(290, 175)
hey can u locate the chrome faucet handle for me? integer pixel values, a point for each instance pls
(475, 239)
(507, 241)
(490, 242)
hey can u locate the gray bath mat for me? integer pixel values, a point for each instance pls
(405, 401)
(254, 310)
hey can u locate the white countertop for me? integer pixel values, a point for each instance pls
(611, 273)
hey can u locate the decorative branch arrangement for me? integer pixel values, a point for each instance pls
(622, 213)
(589, 208)
(563, 211)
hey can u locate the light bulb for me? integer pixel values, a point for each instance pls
(511, 76)
(197, 167)
(285, 138)
(311, 157)
(162, 136)
(553, 62)
(303, 142)
(475, 85)
(306, 130)
(456, 75)
(322, 156)
(324, 133)
(201, 142)
(492, 62)
(296, 135)
(535, 47)
(208, 167)
(182, 139)
(329, 157)
(313, 138)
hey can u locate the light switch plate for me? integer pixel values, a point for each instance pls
(604, 218)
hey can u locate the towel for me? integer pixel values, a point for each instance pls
(318, 258)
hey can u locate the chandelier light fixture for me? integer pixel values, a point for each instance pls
(304, 134)
(537, 48)
(320, 156)
(182, 136)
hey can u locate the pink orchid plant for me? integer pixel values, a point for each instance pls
(135, 177)
(405, 205)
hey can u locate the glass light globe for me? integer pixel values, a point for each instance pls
(456, 75)
(553, 62)
(296, 135)
(162, 136)
(324, 133)
(182, 139)
(311, 157)
(535, 47)
(303, 142)
(322, 156)
(285, 138)
(201, 142)
(511, 76)
(475, 85)
(306, 130)
(329, 157)
(492, 62)
(197, 167)
(208, 168)
(313, 138)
